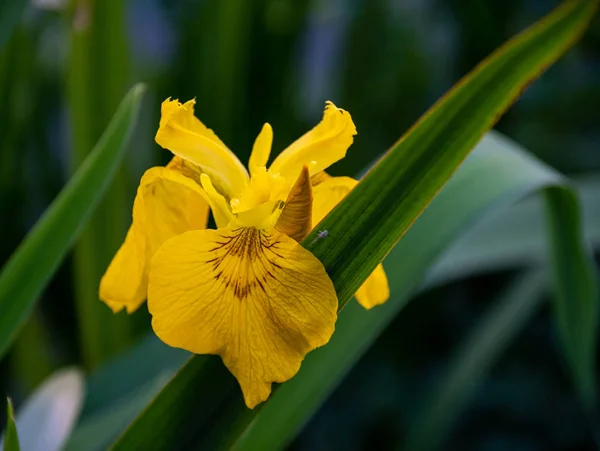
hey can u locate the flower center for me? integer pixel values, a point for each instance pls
(260, 204)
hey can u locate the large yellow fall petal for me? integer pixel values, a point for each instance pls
(167, 204)
(326, 195)
(184, 135)
(319, 148)
(255, 297)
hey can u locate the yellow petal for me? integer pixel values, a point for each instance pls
(167, 204)
(217, 203)
(261, 149)
(329, 193)
(319, 148)
(255, 297)
(125, 281)
(319, 178)
(375, 290)
(326, 195)
(296, 218)
(184, 135)
(261, 203)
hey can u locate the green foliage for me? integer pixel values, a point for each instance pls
(11, 438)
(25, 275)
(10, 15)
(577, 296)
(96, 81)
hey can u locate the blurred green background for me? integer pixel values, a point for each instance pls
(66, 66)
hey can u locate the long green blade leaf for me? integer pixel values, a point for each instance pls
(368, 223)
(473, 361)
(11, 438)
(576, 299)
(32, 265)
(97, 79)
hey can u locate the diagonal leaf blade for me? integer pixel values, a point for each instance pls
(29, 269)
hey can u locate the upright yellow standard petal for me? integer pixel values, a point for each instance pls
(319, 148)
(255, 297)
(326, 195)
(261, 149)
(184, 135)
(167, 204)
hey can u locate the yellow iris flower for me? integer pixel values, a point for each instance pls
(246, 291)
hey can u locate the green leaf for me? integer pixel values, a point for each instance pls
(11, 12)
(47, 417)
(362, 230)
(518, 238)
(118, 391)
(513, 237)
(496, 174)
(473, 360)
(11, 438)
(98, 74)
(125, 374)
(29, 269)
(577, 296)
(98, 431)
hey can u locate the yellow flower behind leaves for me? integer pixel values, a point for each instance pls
(246, 291)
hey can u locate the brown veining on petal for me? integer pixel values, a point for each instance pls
(238, 266)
